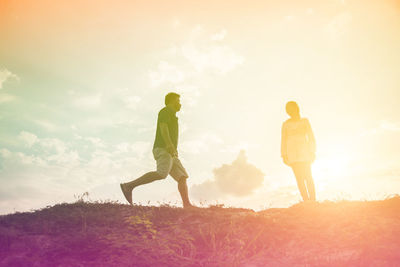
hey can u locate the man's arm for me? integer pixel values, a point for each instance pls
(167, 139)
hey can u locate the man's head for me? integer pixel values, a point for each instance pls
(292, 109)
(172, 100)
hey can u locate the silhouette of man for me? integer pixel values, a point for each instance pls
(165, 153)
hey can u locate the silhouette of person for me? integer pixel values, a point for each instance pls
(298, 149)
(165, 153)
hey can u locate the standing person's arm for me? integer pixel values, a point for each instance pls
(284, 146)
(167, 139)
(311, 139)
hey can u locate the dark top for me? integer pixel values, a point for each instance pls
(167, 116)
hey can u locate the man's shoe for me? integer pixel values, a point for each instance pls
(127, 193)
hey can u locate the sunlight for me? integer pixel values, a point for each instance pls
(335, 163)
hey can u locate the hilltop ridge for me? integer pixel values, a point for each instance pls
(344, 233)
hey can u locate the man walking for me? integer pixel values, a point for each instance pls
(165, 153)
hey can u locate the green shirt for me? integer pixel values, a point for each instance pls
(168, 116)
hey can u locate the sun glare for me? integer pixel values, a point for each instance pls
(335, 163)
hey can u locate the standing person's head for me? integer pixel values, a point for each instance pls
(172, 100)
(293, 110)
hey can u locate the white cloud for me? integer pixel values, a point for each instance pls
(5, 153)
(237, 179)
(138, 148)
(53, 144)
(196, 32)
(219, 58)
(289, 18)
(60, 172)
(146, 129)
(383, 127)
(132, 102)
(238, 146)
(125, 95)
(123, 147)
(390, 126)
(166, 73)
(176, 23)
(190, 92)
(206, 191)
(338, 25)
(89, 102)
(51, 127)
(201, 143)
(28, 138)
(6, 98)
(65, 157)
(219, 36)
(29, 159)
(97, 142)
(141, 148)
(5, 75)
(198, 54)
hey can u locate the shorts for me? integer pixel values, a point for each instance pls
(166, 164)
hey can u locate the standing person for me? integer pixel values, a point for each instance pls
(165, 153)
(298, 149)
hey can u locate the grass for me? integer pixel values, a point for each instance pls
(341, 233)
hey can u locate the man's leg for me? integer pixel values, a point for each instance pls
(164, 165)
(145, 179)
(183, 191)
(180, 175)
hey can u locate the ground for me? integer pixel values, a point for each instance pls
(342, 233)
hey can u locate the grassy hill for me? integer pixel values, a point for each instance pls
(345, 233)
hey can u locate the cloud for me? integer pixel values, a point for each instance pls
(138, 148)
(132, 101)
(5, 75)
(176, 23)
(338, 25)
(51, 127)
(89, 102)
(384, 127)
(200, 52)
(289, 18)
(96, 142)
(27, 138)
(219, 36)
(166, 73)
(219, 58)
(390, 126)
(208, 191)
(124, 95)
(6, 98)
(201, 143)
(237, 179)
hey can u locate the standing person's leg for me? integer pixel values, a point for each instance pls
(298, 170)
(164, 165)
(309, 182)
(179, 173)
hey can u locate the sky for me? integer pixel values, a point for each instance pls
(81, 83)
